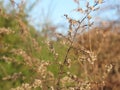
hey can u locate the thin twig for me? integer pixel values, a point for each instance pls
(70, 47)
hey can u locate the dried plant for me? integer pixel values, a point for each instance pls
(79, 60)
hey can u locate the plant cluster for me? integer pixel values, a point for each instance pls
(80, 60)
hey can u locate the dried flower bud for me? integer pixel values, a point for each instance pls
(89, 17)
(100, 1)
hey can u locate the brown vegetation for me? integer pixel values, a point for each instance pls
(105, 41)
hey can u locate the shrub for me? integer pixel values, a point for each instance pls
(79, 60)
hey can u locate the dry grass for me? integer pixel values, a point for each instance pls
(105, 43)
(83, 61)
